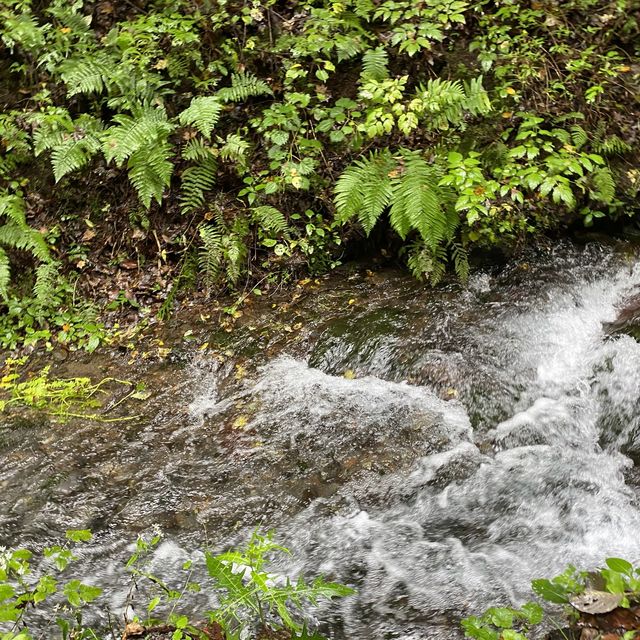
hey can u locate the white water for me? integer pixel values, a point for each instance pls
(488, 438)
(461, 529)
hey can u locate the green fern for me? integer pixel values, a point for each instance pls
(203, 113)
(604, 185)
(17, 234)
(134, 133)
(235, 148)
(270, 219)
(419, 204)
(150, 171)
(445, 103)
(142, 141)
(375, 65)
(460, 261)
(47, 275)
(578, 136)
(211, 256)
(90, 74)
(5, 273)
(244, 85)
(408, 187)
(196, 181)
(364, 189)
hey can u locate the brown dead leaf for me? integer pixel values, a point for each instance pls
(133, 630)
(596, 602)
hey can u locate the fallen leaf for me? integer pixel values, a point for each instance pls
(240, 422)
(596, 601)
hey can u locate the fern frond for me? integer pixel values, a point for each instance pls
(196, 181)
(196, 150)
(134, 133)
(236, 251)
(235, 148)
(364, 189)
(270, 219)
(73, 154)
(477, 100)
(211, 257)
(5, 273)
(604, 185)
(46, 278)
(203, 113)
(87, 75)
(375, 65)
(244, 85)
(150, 172)
(578, 136)
(12, 207)
(460, 261)
(418, 201)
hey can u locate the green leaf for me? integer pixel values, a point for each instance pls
(79, 535)
(550, 591)
(620, 565)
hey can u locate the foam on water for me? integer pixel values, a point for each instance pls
(473, 523)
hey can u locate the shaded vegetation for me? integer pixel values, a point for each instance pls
(222, 143)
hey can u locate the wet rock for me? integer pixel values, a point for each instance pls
(628, 319)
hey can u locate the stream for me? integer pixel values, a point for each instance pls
(436, 449)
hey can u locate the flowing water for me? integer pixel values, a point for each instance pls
(435, 449)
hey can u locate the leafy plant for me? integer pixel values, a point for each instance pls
(250, 595)
(61, 398)
(22, 592)
(582, 592)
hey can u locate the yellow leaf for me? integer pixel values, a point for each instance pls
(240, 422)
(352, 301)
(510, 91)
(349, 374)
(507, 114)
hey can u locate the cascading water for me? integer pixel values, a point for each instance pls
(479, 439)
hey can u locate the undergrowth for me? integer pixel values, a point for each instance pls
(268, 133)
(250, 602)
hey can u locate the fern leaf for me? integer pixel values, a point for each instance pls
(418, 202)
(364, 190)
(196, 181)
(604, 185)
(375, 65)
(460, 261)
(270, 219)
(235, 148)
(89, 75)
(210, 257)
(196, 150)
(150, 172)
(578, 136)
(5, 273)
(72, 154)
(12, 206)
(134, 133)
(203, 113)
(46, 278)
(244, 85)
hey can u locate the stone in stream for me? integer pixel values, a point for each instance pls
(628, 319)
